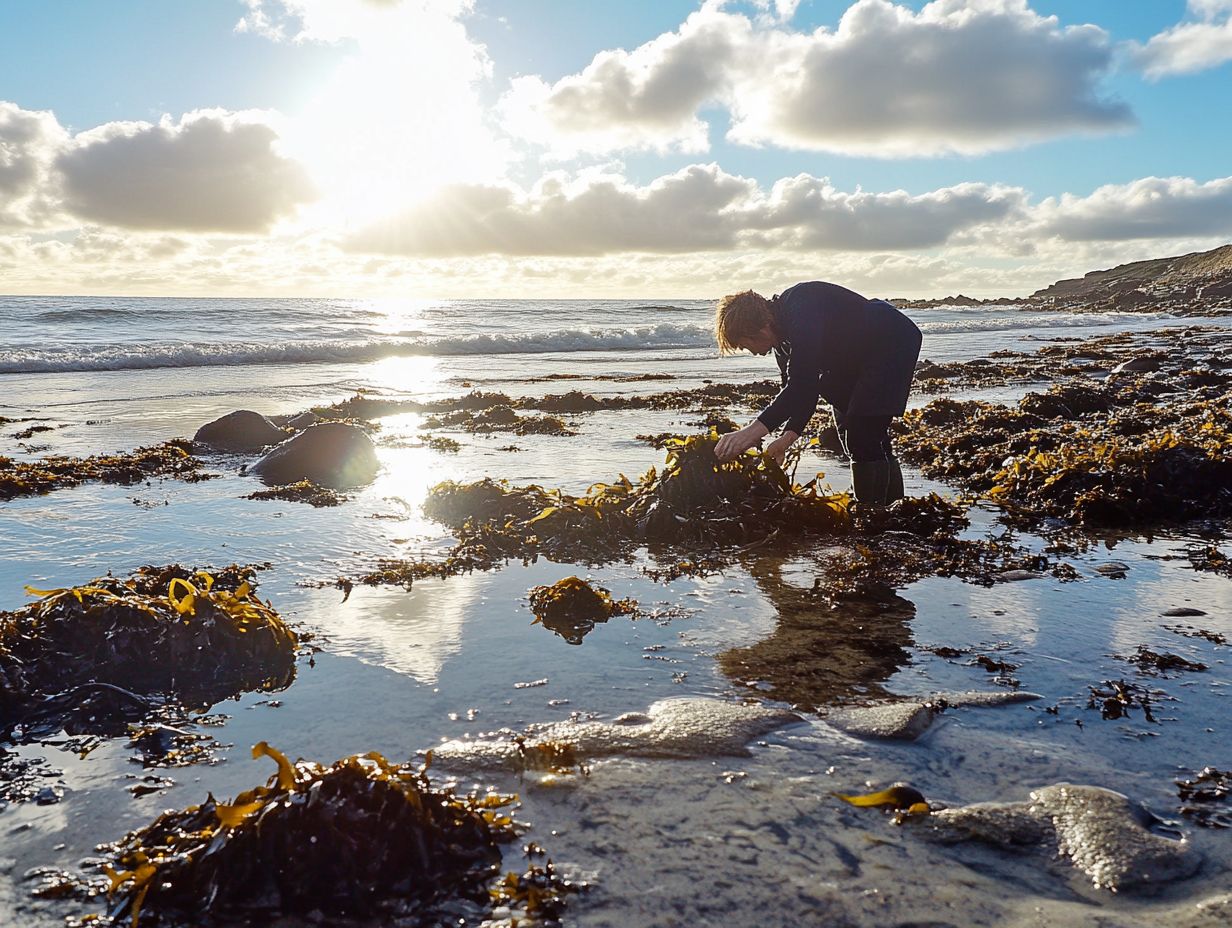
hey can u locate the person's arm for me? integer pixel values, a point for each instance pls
(797, 401)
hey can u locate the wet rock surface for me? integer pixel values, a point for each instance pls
(1102, 833)
(906, 720)
(242, 430)
(677, 728)
(333, 454)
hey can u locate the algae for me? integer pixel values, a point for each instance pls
(31, 478)
(1207, 797)
(572, 607)
(118, 648)
(304, 491)
(362, 837)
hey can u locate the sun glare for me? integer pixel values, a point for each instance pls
(396, 121)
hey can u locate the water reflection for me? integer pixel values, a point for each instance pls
(823, 652)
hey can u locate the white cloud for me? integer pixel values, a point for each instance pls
(959, 76)
(29, 141)
(699, 208)
(1203, 42)
(212, 172)
(1149, 208)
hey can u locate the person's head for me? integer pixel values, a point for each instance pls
(745, 320)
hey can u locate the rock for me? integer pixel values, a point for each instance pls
(242, 430)
(1101, 832)
(333, 454)
(303, 420)
(1138, 366)
(906, 720)
(1011, 576)
(671, 728)
(1112, 569)
(1182, 612)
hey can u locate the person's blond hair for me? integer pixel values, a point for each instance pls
(739, 315)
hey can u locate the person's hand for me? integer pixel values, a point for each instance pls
(734, 444)
(778, 448)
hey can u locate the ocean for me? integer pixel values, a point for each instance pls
(711, 840)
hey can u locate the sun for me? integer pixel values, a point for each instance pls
(396, 121)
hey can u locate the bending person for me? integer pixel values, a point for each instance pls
(829, 342)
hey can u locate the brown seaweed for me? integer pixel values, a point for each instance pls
(363, 837)
(304, 491)
(1207, 798)
(30, 478)
(499, 418)
(104, 650)
(572, 607)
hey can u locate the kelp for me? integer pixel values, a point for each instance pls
(1207, 797)
(1160, 662)
(303, 491)
(28, 779)
(360, 838)
(1134, 451)
(30, 478)
(498, 419)
(572, 607)
(901, 798)
(693, 502)
(1116, 699)
(102, 650)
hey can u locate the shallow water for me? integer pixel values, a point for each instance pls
(751, 840)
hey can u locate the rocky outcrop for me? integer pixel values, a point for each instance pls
(242, 430)
(332, 454)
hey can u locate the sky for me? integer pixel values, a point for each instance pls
(578, 148)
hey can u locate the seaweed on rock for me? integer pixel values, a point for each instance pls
(362, 837)
(97, 649)
(572, 607)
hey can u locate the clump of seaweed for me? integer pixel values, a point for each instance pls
(100, 650)
(1160, 662)
(693, 502)
(31, 478)
(304, 491)
(572, 607)
(499, 419)
(362, 837)
(1206, 796)
(1116, 698)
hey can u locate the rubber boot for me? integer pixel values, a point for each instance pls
(894, 485)
(869, 480)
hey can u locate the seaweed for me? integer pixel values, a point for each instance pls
(694, 502)
(1130, 452)
(1116, 698)
(363, 837)
(1206, 798)
(444, 444)
(900, 798)
(1160, 662)
(116, 649)
(32, 478)
(28, 779)
(499, 418)
(304, 491)
(572, 607)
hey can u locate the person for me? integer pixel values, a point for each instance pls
(832, 343)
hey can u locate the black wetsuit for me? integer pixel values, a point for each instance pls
(857, 354)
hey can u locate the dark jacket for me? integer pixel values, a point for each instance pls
(857, 354)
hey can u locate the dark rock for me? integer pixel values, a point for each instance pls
(1138, 366)
(333, 454)
(303, 420)
(242, 430)
(1180, 611)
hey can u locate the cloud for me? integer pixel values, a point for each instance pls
(29, 141)
(959, 76)
(1202, 43)
(699, 208)
(1149, 208)
(212, 172)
